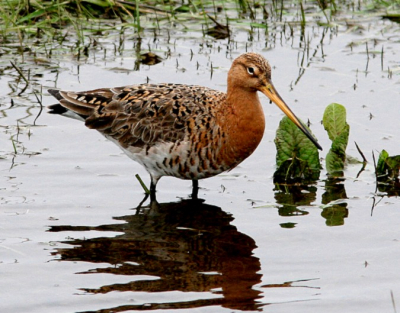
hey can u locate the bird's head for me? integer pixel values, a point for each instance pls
(252, 72)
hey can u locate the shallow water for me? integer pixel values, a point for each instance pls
(72, 240)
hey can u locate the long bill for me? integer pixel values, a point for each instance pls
(270, 91)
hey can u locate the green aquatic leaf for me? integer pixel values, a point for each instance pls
(294, 170)
(388, 167)
(297, 157)
(334, 164)
(393, 163)
(335, 124)
(339, 144)
(381, 166)
(291, 142)
(334, 120)
(336, 157)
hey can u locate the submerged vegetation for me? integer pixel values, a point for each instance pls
(46, 17)
(54, 26)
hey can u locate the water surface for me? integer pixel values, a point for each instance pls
(72, 238)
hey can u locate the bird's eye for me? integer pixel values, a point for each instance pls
(250, 70)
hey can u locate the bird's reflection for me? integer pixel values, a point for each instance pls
(186, 246)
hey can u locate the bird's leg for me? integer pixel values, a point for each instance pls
(153, 184)
(152, 191)
(152, 187)
(195, 189)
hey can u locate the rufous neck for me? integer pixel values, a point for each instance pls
(244, 122)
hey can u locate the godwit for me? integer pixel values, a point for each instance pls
(188, 132)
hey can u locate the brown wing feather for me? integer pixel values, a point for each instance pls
(140, 115)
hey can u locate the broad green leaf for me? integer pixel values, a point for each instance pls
(336, 157)
(334, 164)
(339, 144)
(297, 157)
(294, 170)
(334, 120)
(291, 142)
(335, 124)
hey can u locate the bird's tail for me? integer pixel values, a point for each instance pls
(56, 108)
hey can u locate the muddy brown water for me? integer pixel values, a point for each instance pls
(73, 240)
